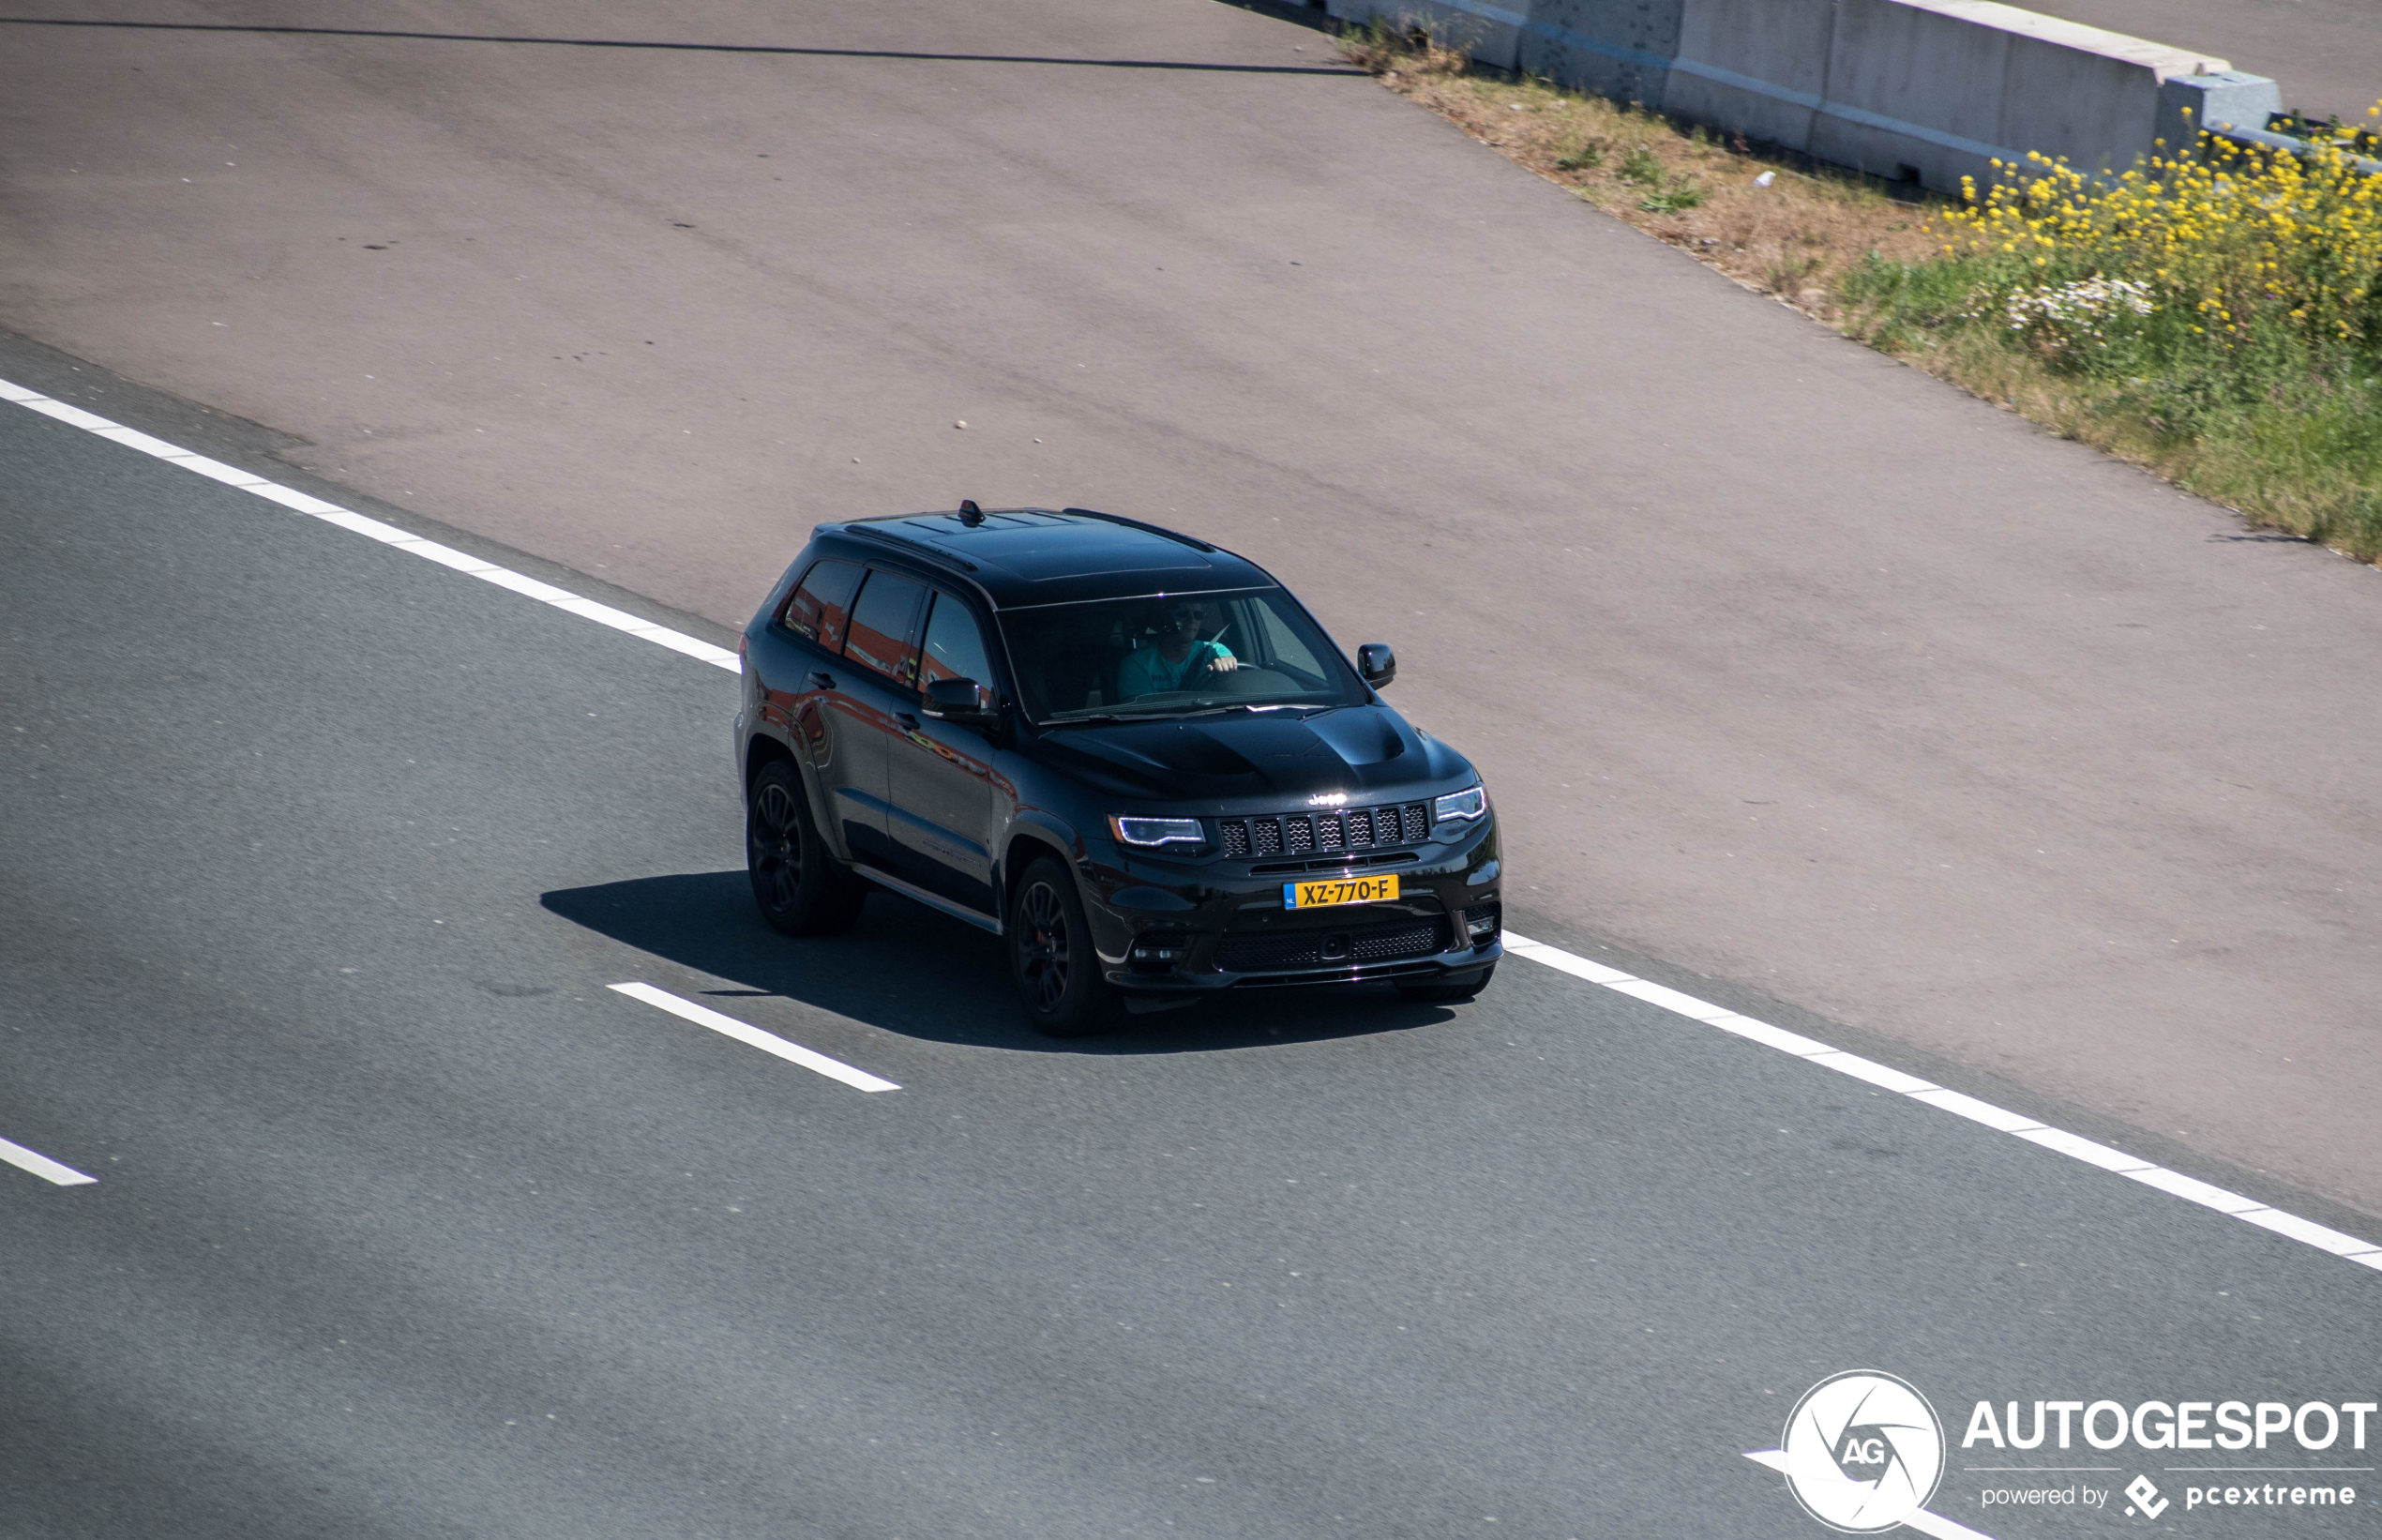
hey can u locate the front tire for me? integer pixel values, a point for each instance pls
(1454, 991)
(801, 889)
(1051, 956)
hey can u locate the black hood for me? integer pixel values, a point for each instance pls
(1265, 761)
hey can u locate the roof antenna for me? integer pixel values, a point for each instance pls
(970, 514)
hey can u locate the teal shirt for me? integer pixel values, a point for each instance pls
(1146, 671)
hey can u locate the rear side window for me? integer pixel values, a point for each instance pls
(884, 626)
(822, 605)
(955, 647)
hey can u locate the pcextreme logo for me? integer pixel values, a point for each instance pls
(1864, 1451)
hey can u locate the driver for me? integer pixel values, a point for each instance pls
(1179, 656)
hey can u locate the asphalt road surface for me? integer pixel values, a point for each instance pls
(1789, 667)
(320, 861)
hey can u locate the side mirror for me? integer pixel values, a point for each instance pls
(1375, 664)
(960, 701)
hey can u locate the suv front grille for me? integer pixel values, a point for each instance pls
(1298, 833)
(1261, 951)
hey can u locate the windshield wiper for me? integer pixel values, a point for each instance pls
(1104, 719)
(1243, 705)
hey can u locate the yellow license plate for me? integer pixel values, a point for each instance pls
(1328, 891)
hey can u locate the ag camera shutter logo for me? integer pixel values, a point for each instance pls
(1865, 1451)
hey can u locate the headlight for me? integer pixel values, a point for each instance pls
(1460, 807)
(1156, 831)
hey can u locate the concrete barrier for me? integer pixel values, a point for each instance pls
(1920, 90)
(2220, 100)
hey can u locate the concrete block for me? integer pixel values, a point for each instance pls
(1621, 49)
(1757, 68)
(2190, 103)
(2085, 94)
(1913, 89)
(1942, 88)
(2095, 109)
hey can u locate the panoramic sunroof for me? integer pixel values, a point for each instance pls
(1040, 547)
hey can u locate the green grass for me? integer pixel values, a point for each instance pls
(2285, 430)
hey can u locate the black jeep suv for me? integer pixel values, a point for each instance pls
(1131, 753)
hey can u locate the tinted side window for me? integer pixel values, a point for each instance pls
(955, 647)
(884, 623)
(823, 604)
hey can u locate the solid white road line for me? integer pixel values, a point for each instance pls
(2188, 1188)
(42, 1166)
(1924, 1521)
(794, 1054)
(2313, 1234)
(388, 534)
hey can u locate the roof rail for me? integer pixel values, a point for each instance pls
(1191, 540)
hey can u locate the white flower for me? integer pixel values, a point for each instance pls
(2072, 313)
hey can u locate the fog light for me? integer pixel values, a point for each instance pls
(1159, 951)
(1481, 923)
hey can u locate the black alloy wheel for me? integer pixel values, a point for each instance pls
(1051, 956)
(1449, 991)
(801, 889)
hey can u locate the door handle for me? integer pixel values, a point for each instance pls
(909, 723)
(822, 678)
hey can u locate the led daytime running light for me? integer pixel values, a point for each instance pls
(1156, 831)
(1460, 807)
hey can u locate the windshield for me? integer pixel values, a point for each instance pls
(1171, 656)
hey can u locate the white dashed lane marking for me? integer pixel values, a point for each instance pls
(768, 1042)
(42, 1166)
(2191, 1190)
(2175, 1183)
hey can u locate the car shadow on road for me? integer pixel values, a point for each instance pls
(907, 969)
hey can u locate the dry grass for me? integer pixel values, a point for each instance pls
(1794, 238)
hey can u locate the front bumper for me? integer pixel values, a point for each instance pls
(1194, 928)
